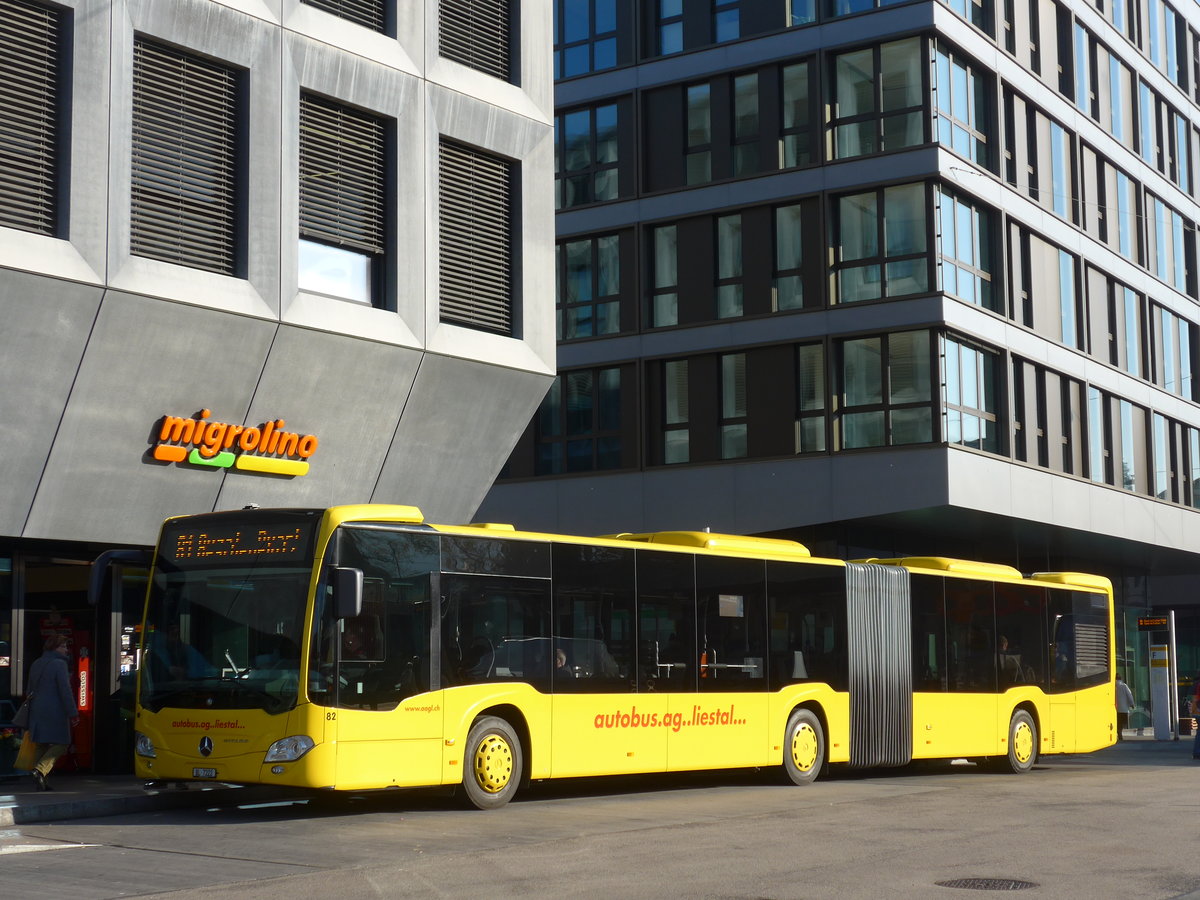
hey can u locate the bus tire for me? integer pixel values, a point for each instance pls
(492, 763)
(803, 747)
(1022, 744)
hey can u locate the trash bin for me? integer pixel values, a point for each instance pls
(1185, 725)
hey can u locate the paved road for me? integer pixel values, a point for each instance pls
(1121, 823)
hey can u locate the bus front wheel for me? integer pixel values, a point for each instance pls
(1022, 744)
(492, 763)
(803, 747)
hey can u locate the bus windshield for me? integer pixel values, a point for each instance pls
(224, 639)
(225, 618)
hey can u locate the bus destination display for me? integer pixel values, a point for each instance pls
(236, 543)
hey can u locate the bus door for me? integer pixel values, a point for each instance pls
(376, 665)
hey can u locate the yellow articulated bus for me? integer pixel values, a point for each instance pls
(358, 648)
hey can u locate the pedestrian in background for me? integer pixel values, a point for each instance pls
(52, 711)
(1124, 707)
(1196, 715)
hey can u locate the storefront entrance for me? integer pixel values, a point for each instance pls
(49, 597)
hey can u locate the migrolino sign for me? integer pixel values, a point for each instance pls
(266, 448)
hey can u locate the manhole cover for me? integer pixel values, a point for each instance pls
(987, 884)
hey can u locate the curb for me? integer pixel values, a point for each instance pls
(92, 807)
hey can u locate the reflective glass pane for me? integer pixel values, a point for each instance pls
(862, 371)
(858, 226)
(608, 254)
(904, 219)
(336, 271)
(855, 76)
(900, 62)
(908, 367)
(859, 283)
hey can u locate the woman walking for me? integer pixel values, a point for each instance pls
(52, 711)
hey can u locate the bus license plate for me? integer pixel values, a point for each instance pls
(204, 773)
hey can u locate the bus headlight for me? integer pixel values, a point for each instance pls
(289, 749)
(143, 746)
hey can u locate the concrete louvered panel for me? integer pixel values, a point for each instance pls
(879, 614)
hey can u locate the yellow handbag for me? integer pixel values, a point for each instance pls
(27, 755)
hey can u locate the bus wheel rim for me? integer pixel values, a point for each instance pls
(804, 747)
(1023, 742)
(493, 764)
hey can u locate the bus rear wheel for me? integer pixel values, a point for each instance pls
(492, 763)
(1022, 744)
(803, 747)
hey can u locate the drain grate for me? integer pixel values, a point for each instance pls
(987, 884)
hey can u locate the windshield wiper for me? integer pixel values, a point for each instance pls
(236, 672)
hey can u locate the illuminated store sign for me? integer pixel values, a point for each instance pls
(267, 449)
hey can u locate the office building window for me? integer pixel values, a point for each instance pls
(729, 266)
(799, 12)
(733, 406)
(476, 238)
(367, 13)
(977, 12)
(745, 124)
(1110, 203)
(885, 391)
(664, 298)
(1174, 339)
(668, 27)
(789, 257)
(342, 200)
(970, 395)
(477, 34)
(1117, 436)
(880, 244)
(1048, 419)
(1171, 253)
(1085, 97)
(579, 423)
(796, 125)
(586, 148)
(1191, 466)
(963, 115)
(1116, 315)
(727, 20)
(675, 412)
(1045, 283)
(589, 287)
(1118, 113)
(585, 36)
(32, 142)
(810, 398)
(1164, 487)
(879, 99)
(965, 255)
(698, 160)
(188, 126)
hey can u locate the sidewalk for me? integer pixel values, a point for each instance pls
(81, 796)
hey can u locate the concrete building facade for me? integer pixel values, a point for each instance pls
(283, 252)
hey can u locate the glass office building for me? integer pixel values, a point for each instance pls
(887, 278)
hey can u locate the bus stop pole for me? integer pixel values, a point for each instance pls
(1173, 674)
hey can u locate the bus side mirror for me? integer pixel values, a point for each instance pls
(347, 592)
